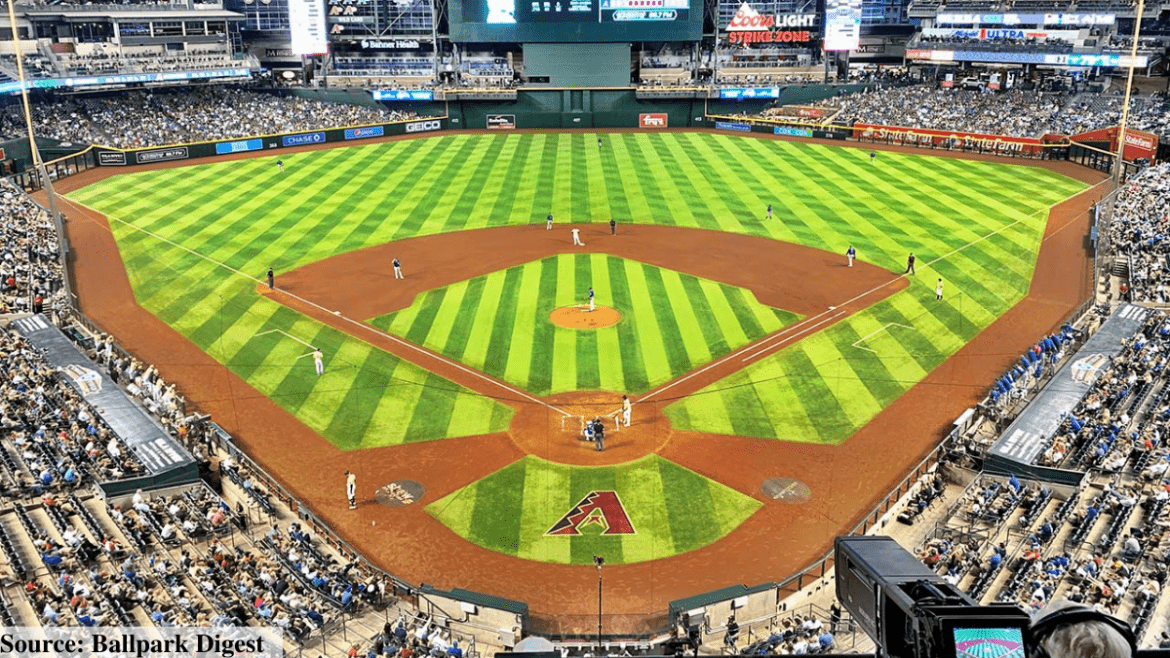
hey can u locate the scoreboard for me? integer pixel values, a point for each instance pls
(533, 21)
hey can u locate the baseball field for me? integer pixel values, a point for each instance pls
(463, 347)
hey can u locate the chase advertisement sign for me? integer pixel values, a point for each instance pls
(301, 140)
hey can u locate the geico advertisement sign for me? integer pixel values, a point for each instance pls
(423, 126)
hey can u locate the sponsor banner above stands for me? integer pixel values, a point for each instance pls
(365, 133)
(654, 120)
(106, 80)
(301, 140)
(239, 146)
(403, 94)
(989, 34)
(162, 155)
(390, 44)
(749, 26)
(1072, 59)
(948, 139)
(751, 92)
(423, 126)
(731, 125)
(951, 18)
(501, 121)
(802, 111)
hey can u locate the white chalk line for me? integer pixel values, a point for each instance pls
(366, 327)
(876, 332)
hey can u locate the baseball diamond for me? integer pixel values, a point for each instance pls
(749, 346)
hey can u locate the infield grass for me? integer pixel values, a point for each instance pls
(671, 324)
(672, 509)
(981, 220)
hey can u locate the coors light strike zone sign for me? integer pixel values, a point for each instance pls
(749, 26)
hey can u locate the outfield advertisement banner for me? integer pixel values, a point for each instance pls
(301, 140)
(654, 120)
(111, 158)
(730, 125)
(423, 126)
(792, 131)
(240, 146)
(501, 121)
(365, 133)
(947, 139)
(1138, 144)
(162, 155)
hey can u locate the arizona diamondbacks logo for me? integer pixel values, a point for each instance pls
(600, 507)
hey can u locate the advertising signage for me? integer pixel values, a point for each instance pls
(751, 92)
(403, 95)
(842, 24)
(951, 18)
(749, 26)
(552, 21)
(1071, 59)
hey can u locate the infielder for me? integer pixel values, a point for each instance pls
(590, 298)
(351, 489)
(851, 253)
(319, 361)
(398, 270)
(548, 222)
(626, 409)
(577, 238)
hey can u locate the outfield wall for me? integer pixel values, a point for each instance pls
(114, 157)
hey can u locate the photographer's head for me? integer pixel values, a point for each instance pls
(1064, 629)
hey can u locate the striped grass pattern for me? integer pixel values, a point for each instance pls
(672, 509)
(249, 215)
(671, 324)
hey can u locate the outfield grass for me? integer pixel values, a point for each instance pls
(249, 215)
(673, 510)
(671, 324)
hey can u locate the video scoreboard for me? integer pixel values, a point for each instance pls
(531, 21)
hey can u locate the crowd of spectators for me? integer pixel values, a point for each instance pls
(30, 265)
(1138, 231)
(139, 119)
(145, 61)
(1018, 113)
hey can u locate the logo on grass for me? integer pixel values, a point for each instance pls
(599, 507)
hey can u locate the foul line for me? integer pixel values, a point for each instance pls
(876, 332)
(287, 335)
(373, 330)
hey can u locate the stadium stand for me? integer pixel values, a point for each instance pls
(137, 119)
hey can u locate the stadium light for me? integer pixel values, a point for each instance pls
(1119, 164)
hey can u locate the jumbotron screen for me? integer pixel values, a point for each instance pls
(531, 21)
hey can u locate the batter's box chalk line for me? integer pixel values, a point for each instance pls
(876, 332)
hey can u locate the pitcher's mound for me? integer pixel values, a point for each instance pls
(580, 317)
